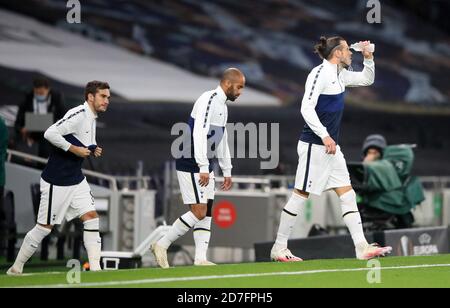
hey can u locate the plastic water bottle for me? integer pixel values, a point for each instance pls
(359, 47)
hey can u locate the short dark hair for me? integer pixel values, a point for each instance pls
(326, 45)
(93, 86)
(41, 82)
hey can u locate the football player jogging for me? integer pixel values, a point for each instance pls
(321, 164)
(208, 138)
(65, 192)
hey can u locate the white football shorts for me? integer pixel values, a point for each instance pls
(191, 191)
(318, 171)
(59, 202)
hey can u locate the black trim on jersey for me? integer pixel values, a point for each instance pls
(49, 210)
(70, 116)
(308, 160)
(88, 230)
(207, 108)
(197, 199)
(209, 207)
(351, 212)
(201, 229)
(287, 212)
(314, 82)
(187, 225)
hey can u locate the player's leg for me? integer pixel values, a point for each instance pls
(292, 209)
(352, 219)
(83, 207)
(288, 219)
(202, 236)
(92, 240)
(191, 194)
(179, 228)
(202, 230)
(340, 182)
(52, 204)
(351, 216)
(29, 246)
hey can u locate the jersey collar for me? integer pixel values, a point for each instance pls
(221, 94)
(330, 65)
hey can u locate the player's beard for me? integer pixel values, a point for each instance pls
(231, 97)
(344, 64)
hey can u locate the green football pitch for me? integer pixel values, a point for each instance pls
(430, 271)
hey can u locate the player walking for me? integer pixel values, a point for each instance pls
(65, 192)
(322, 165)
(208, 128)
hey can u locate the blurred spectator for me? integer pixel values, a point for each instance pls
(373, 148)
(389, 192)
(41, 100)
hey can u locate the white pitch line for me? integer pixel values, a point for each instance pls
(38, 274)
(195, 278)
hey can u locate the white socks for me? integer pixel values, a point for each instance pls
(29, 246)
(93, 243)
(352, 219)
(288, 219)
(178, 229)
(202, 235)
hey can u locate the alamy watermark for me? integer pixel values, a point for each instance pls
(374, 14)
(73, 276)
(74, 14)
(244, 141)
(374, 274)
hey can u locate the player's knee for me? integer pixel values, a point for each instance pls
(89, 216)
(200, 215)
(348, 197)
(199, 211)
(301, 193)
(49, 227)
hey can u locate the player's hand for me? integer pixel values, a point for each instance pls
(98, 151)
(80, 151)
(365, 53)
(204, 179)
(330, 145)
(227, 183)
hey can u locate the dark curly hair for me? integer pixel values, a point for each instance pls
(93, 87)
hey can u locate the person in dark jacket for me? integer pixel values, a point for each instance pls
(373, 148)
(41, 100)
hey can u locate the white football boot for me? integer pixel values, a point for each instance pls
(160, 255)
(283, 255)
(373, 251)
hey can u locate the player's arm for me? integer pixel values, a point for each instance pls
(67, 125)
(224, 158)
(364, 78)
(200, 136)
(313, 88)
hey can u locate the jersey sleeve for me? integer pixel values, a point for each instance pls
(202, 116)
(313, 88)
(364, 78)
(67, 125)
(224, 157)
